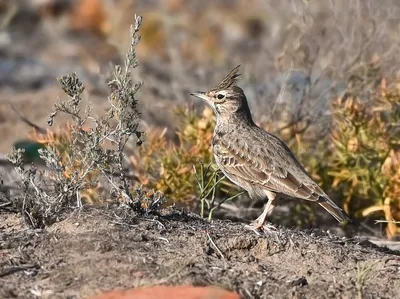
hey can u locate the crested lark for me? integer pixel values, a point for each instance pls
(254, 159)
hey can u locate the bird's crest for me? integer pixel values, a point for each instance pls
(229, 80)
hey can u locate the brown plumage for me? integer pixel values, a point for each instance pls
(254, 159)
(230, 79)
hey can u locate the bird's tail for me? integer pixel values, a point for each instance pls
(333, 209)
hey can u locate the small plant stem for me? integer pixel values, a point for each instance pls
(213, 186)
(223, 201)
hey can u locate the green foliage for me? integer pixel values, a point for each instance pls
(209, 179)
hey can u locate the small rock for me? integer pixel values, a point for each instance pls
(301, 282)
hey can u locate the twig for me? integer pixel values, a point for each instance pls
(3, 205)
(224, 201)
(13, 270)
(164, 239)
(215, 246)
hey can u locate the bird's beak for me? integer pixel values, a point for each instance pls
(201, 95)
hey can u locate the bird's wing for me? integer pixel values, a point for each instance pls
(267, 163)
(272, 167)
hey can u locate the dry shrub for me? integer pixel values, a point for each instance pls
(86, 154)
(61, 139)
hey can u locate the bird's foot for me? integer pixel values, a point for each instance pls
(259, 227)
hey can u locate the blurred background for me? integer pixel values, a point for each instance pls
(298, 58)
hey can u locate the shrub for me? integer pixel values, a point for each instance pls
(87, 154)
(365, 163)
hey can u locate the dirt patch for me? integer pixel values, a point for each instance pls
(94, 250)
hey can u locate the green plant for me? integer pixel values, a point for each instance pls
(208, 179)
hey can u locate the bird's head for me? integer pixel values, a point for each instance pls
(226, 99)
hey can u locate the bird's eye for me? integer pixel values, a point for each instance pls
(220, 96)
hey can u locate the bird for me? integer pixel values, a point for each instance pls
(256, 160)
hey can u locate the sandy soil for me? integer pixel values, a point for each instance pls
(97, 249)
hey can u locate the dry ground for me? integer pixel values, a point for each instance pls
(95, 250)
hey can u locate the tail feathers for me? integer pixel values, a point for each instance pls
(333, 209)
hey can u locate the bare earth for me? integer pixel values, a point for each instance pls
(95, 250)
(99, 249)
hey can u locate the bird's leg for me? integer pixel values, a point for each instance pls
(259, 223)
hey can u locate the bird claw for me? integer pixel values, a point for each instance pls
(261, 227)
